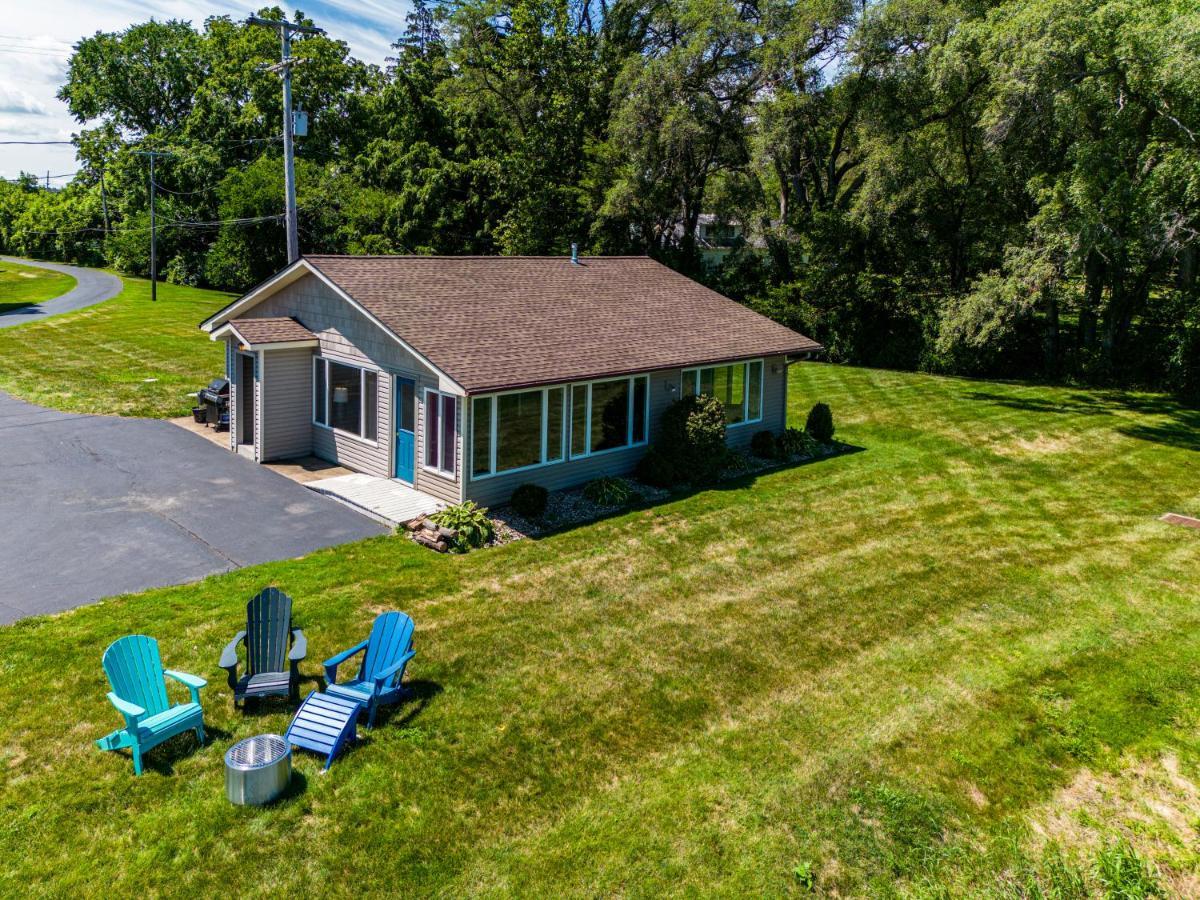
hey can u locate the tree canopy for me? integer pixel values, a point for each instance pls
(1002, 187)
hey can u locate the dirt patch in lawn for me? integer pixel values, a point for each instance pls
(1037, 445)
(1151, 804)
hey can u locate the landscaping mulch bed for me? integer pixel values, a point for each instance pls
(567, 509)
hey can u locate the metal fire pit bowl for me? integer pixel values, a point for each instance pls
(257, 770)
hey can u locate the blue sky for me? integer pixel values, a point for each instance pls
(36, 38)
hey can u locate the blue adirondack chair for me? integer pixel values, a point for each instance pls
(388, 650)
(271, 642)
(139, 692)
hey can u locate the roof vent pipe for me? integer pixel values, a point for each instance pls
(575, 253)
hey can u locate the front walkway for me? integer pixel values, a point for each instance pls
(382, 498)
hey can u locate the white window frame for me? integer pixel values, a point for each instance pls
(438, 470)
(324, 361)
(694, 375)
(587, 443)
(494, 418)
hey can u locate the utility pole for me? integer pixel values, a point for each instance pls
(284, 68)
(153, 233)
(103, 199)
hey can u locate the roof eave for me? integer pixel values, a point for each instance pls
(795, 354)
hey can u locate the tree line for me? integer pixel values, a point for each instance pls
(1004, 188)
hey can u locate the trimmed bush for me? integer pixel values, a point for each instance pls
(692, 437)
(529, 500)
(607, 491)
(763, 445)
(474, 528)
(820, 423)
(795, 442)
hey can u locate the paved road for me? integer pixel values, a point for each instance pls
(92, 287)
(92, 506)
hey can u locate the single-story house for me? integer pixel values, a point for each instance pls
(465, 377)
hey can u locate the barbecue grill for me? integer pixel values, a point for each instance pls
(213, 403)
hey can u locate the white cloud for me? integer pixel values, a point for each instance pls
(15, 100)
(36, 39)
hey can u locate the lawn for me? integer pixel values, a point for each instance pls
(126, 356)
(962, 661)
(22, 286)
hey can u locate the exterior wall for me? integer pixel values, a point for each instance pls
(286, 408)
(348, 336)
(664, 390)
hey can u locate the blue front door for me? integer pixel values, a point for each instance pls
(405, 416)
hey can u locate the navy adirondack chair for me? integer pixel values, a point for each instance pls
(274, 650)
(388, 650)
(139, 692)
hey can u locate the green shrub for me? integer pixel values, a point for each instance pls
(692, 437)
(470, 522)
(794, 442)
(764, 445)
(529, 500)
(820, 423)
(607, 491)
(657, 469)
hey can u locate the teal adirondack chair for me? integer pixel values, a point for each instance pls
(139, 692)
(388, 650)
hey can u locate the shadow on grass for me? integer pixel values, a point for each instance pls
(731, 483)
(1182, 428)
(417, 695)
(162, 758)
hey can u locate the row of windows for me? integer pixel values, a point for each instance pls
(523, 429)
(542, 426)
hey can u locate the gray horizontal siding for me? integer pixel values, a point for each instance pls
(287, 403)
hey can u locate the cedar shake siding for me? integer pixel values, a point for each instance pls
(346, 335)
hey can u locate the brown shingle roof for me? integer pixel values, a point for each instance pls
(271, 331)
(492, 323)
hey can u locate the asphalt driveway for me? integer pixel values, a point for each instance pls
(92, 286)
(92, 506)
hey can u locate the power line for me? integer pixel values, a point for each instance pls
(204, 190)
(182, 223)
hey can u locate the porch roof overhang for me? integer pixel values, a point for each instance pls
(266, 334)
